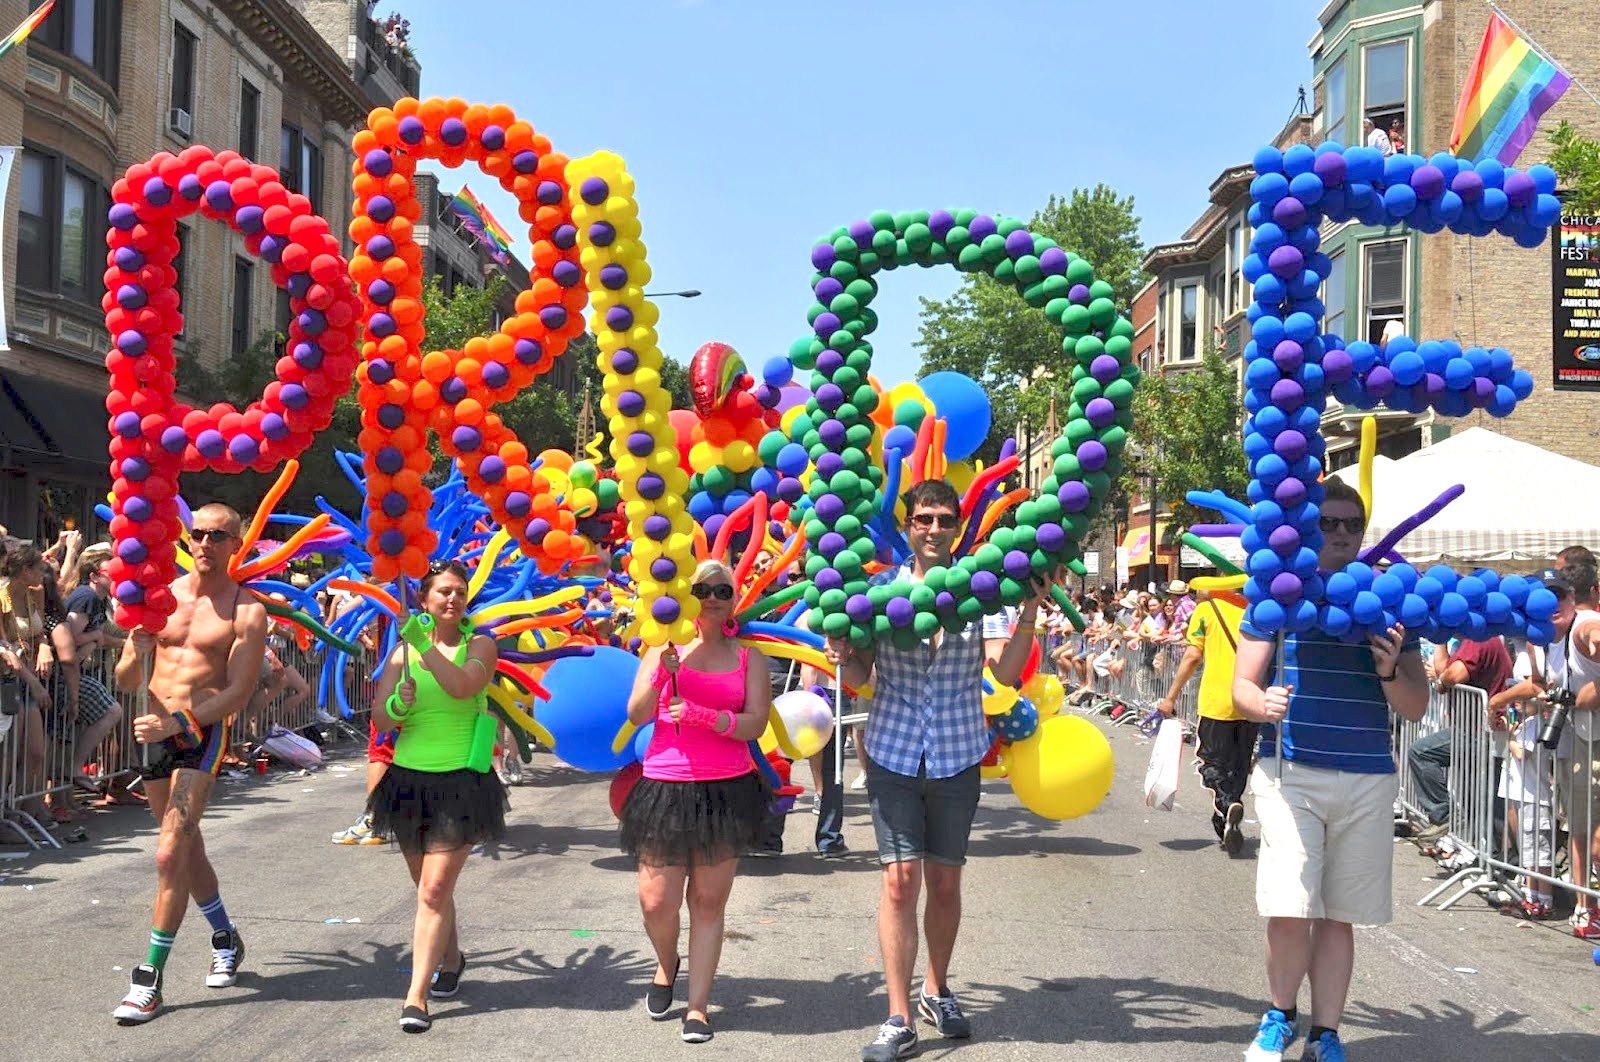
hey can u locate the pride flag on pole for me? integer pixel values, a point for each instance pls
(26, 26)
(1510, 85)
(478, 221)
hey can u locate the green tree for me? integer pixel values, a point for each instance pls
(1187, 425)
(986, 331)
(1576, 160)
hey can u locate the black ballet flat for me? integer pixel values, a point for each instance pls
(415, 1020)
(658, 1001)
(446, 983)
(696, 1031)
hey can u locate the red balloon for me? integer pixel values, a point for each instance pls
(683, 422)
(713, 372)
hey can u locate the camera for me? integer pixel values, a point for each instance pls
(1561, 701)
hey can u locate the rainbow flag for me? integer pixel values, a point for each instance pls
(478, 221)
(1510, 85)
(26, 26)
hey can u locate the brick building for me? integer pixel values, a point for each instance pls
(103, 84)
(1403, 65)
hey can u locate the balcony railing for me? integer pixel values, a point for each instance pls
(402, 66)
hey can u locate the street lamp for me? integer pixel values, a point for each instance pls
(689, 293)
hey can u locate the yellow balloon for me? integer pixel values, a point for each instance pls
(1046, 693)
(702, 457)
(1001, 768)
(739, 456)
(789, 415)
(768, 741)
(583, 501)
(1000, 701)
(960, 474)
(1064, 770)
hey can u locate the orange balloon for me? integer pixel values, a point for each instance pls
(556, 459)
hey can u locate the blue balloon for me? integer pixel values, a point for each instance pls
(777, 371)
(588, 705)
(641, 740)
(900, 437)
(965, 407)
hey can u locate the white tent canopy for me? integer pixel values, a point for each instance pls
(1522, 503)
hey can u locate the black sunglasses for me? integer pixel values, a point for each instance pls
(720, 591)
(206, 534)
(944, 521)
(1353, 524)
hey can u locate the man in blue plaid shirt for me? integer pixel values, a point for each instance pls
(926, 733)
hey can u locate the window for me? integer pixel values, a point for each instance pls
(1189, 309)
(281, 316)
(1334, 101)
(1384, 85)
(180, 262)
(1214, 309)
(1385, 300)
(1333, 295)
(300, 165)
(35, 220)
(184, 48)
(78, 195)
(88, 30)
(1161, 324)
(59, 227)
(1236, 267)
(243, 274)
(249, 119)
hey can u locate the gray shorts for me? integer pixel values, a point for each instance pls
(921, 817)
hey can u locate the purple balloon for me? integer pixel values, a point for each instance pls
(495, 375)
(518, 502)
(210, 443)
(651, 486)
(1100, 412)
(466, 438)
(985, 584)
(1050, 537)
(1105, 368)
(1074, 496)
(392, 542)
(1017, 565)
(641, 443)
(657, 526)
(900, 611)
(1286, 587)
(1053, 261)
(630, 403)
(1092, 455)
(663, 569)
(613, 276)
(1019, 243)
(492, 469)
(127, 425)
(664, 610)
(859, 608)
(394, 505)
(389, 459)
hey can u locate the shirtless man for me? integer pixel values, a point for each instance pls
(206, 662)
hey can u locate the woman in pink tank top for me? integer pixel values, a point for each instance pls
(701, 800)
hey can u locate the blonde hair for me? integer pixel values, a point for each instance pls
(711, 567)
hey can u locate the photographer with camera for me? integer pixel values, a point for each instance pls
(1571, 676)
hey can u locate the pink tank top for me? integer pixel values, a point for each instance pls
(693, 753)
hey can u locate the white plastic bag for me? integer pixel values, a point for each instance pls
(1161, 777)
(292, 749)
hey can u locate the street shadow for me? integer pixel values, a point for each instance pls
(538, 839)
(1188, 844)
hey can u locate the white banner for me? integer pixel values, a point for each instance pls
(8, 158)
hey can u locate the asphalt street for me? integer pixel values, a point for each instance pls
(1123, 935)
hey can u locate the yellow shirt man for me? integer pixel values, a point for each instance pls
(1218, 641)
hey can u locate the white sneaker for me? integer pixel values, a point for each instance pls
(359, 833)
(143, 1000)
(325, 717)
(510, 769)
(860, 782)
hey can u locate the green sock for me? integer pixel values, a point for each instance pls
(160, 948)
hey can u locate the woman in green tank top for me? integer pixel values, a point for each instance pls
(441, 796)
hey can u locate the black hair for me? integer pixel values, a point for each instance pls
(20, 554)
(1581, 576)
(934, 492)
(1575, 553)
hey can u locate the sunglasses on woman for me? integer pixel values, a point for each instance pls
(720, 591)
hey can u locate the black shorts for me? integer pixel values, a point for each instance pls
(168, 757)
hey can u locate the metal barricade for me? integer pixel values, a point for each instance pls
(45, 753)
(1470, 782)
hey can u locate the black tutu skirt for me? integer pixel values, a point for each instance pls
(680, 823)
(428, 811)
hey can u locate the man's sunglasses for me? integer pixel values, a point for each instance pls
(720, 591)
(944, 521)
(206, 534)
(1353, 524)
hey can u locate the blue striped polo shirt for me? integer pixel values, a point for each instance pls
(1338, 716)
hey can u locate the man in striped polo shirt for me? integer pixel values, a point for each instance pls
(1324, 786)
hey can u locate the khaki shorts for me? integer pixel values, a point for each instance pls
(1327, 843)
(1578, 787)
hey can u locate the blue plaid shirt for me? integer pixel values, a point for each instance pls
(927, 703)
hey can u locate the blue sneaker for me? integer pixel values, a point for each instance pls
(1272, 1039)
(1325, 1048)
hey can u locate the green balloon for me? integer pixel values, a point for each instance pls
(813, 596)
(1079, 432)
(1056, 309)
(1076, 525)
(883, 242)
(1102, 312)
(881, 627)
(844, 271)
(859, 360)
(1079, 271)
(1067, 467)
(957, 238)
(1088, 348)
(865, 399)
(1115, 439)
(832, 600)
(922, 597)
(845, 483)
(1084, 390)
(1048, 508)
(910, 414)
(848, 564)
(1101, 289)
(1075, 320)
(835, 625)
(1001, 537)
(848, 526)
(859, 435)
(1003, 271)
(1057, 286)
(1028, 269)
(904, 638)
(926, 624)
(855, 460)
(969, 258)
(1060, 448)
(814, 563)
(844, 306)
(1011, 591)
(958, 580)
(919, 237)
(1039, 560)
(845, 247)
(859, 635)
(1023, 538)
(848, 413)
(878, 595)
(1119, 347)
(881, 219)
(1034, 295)
(989, 557)
(769, 446)
(969, 609)
(846, 378)
(1099, 484)
(994, 248)
(606, 492)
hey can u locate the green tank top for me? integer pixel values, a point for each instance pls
(438, 733)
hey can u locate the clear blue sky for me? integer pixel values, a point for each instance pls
(753, 128)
